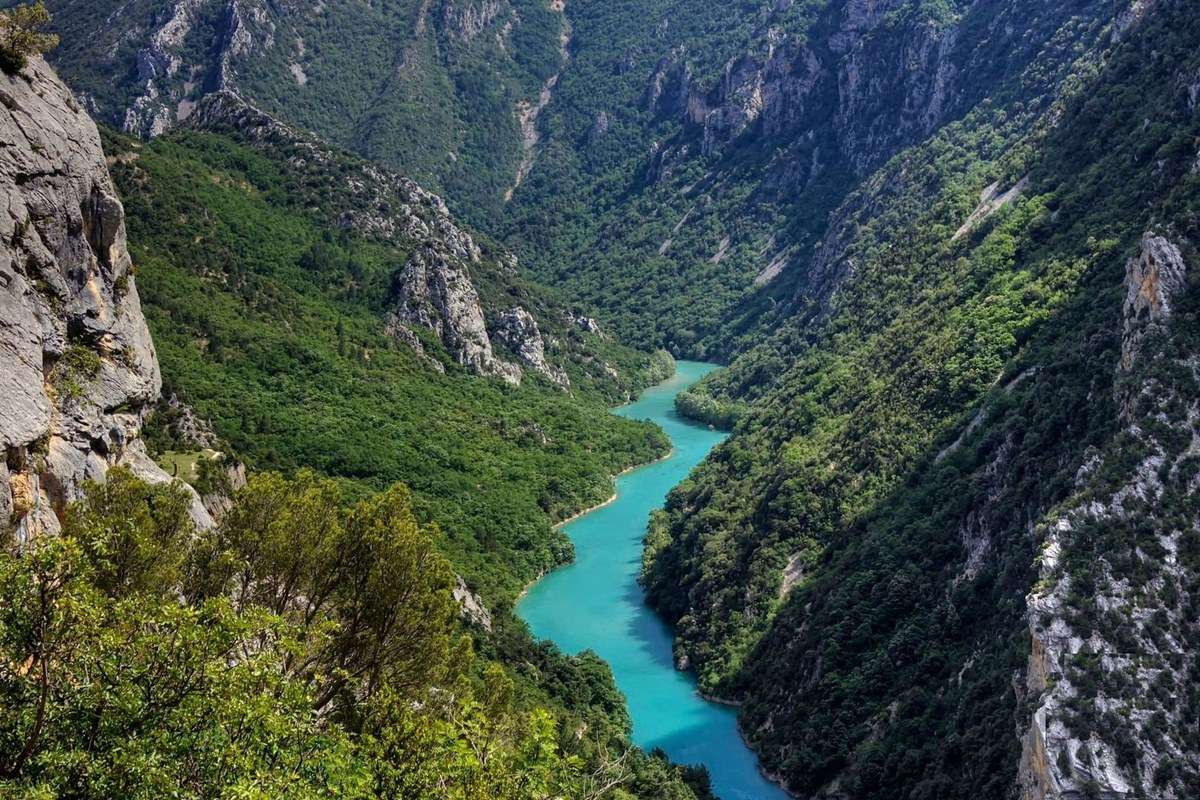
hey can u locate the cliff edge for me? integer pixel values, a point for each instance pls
(78, 371)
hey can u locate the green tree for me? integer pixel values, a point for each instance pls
(365, 587)
(22, 35)
(304, 649)
(114, 688)
(135, 535)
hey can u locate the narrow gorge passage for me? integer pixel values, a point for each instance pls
(596, 603)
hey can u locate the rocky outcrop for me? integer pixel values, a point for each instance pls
(519, 332)
(155, 110)
(78, 371)
(247, 30)
(912, 80)
(186, 431)
(362, 196)
(466, 19)
(587, 325)
(770, 92)
(434, 291)
(169, 84)
(991, 200)
(669, 87)
(470, 605)
(775, 91)
(218, 499)
(600, 126)
(187, 426)
(1132, 623)
(1152, 280)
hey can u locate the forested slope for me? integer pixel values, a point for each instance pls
(695, 152)
(948, 246)
(673, 164)
(431, 89)
(272, 286)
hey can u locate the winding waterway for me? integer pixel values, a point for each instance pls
(596, 603)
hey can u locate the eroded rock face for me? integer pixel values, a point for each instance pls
(228, 32)
(775, 92)
(1152, 280)
(78, 371)
(154, 111)
(1147, 599)
(587, 325)
(519, 331)
(434, 291)
(470, 605)
(466, 19)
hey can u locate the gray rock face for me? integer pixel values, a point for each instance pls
(434, 291)
(194, 433)
(471, 607)
(670, 86)
(1152, 651)
(776, 92)
(587, 325)
(219, 503)
(78, 370)
(466, 19)
(399, 330)
(519, 331)
(154, 111)
(170, 84)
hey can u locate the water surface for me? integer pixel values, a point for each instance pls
(596, 603)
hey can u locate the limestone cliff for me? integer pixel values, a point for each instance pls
(434, 290)
(519, 331)
(78, 371)
(395, 96)
(1128, 620)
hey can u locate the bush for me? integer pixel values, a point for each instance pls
(21, 35)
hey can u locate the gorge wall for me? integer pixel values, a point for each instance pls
(950, 551)
(442, 91)
(78, 365)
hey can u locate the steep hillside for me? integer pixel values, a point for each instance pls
(695, 151)
(310, 644)
(326, 313)
(444, 91)
(673, 164)
(950, 550)
(949, 247)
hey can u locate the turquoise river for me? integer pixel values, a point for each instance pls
(596, 603)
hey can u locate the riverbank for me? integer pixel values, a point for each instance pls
(597, 507)
(613, 478)
(596, 603)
